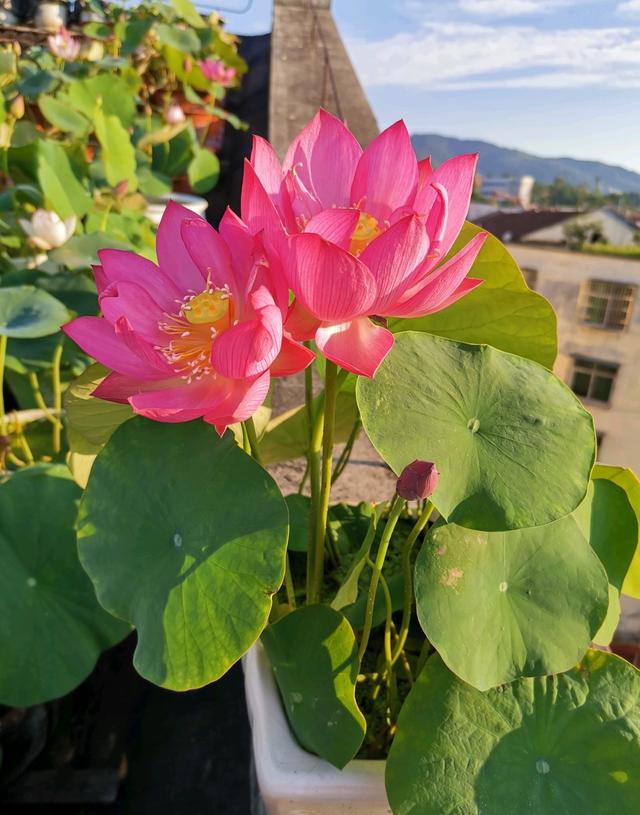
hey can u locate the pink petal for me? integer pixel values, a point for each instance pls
(209, 252)
(358, 346)
(324, 157)
(387, 174)
(119, 266)
(178, 401)
(241, 399)
(425, 171)
(456, 176)
(334, 225)
(267, 167)
(147, 352)
(129, 300)
(433, 291)
(300, 323)
(332, 284)
(257, 209)
(268, 170)
(249, 348)
(292, 358)
(98, 339)
(117, 388)
(173, 257)
(393, 258)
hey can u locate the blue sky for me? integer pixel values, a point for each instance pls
(554, 77)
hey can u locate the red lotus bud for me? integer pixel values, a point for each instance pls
(418, 480)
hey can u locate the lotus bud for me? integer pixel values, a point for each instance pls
(46, 230)
(174, 115)
(120, 189)
(418, 480)
(17, 107)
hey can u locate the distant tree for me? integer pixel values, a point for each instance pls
(578, 234)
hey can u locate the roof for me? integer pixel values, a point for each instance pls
(517, 225)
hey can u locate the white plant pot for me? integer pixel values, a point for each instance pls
(292, 781)
(157, 206)
(51, 15)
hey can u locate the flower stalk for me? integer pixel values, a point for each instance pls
(394, 514)
(321, 507)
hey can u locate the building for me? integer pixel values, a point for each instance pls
(598, 308)
(552, 226)
(507, 189)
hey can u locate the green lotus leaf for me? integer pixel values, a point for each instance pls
(29, 313)
(565, 744)
(609, 523)
(628, 481)
(314, 658)
(175, 546)
(52, 629)
(501, 605)
(513, 445)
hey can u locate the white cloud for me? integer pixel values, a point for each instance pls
(510, 8)
(629, 7)
(444, 56)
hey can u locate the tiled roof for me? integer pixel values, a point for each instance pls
(517, 225)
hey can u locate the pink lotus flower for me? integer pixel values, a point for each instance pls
(216, 71)
(64, 45)
(201, 334)
(360, 234)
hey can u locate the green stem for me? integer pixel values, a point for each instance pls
(288, 583)
(408, 578)
(313, 463)
(346, 453)
(57, 395)
(303, 480)
(39, 398)
(246, 446)
(253, 439)
(396, 510)
(321, 508)
(3, 356)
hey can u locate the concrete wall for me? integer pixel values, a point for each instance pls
(560, 275)
(310, 68)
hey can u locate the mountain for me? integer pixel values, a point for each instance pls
(502, 161)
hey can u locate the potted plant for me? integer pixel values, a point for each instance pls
(442, 638)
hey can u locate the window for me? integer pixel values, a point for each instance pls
(592, 379)
(530, 276)
(607, 304)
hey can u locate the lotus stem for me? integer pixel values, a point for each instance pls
(57, 395)
(413, 536)
(396, 510)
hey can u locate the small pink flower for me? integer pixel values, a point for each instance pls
(216, 71)
(360, 234)
(418, 480)
(174, 115)
(201, 334)
(63, 45)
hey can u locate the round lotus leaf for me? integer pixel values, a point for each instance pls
(513, 445)
(314, 657)
(565, 744)
(52, 629)
(627, 480)
(609, 523)
(27, 312)
(184, 536)
(501, 605)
